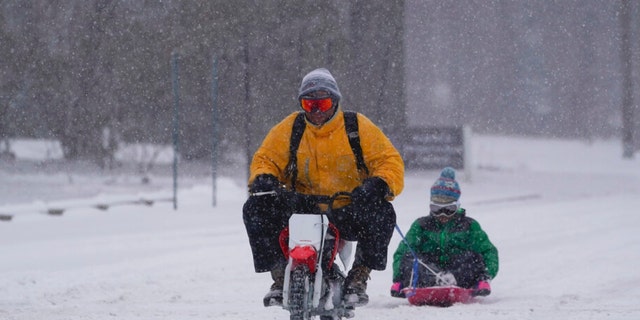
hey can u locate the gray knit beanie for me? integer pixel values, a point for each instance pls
(319, 79)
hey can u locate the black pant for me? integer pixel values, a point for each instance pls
(372, 226)
(468, 268)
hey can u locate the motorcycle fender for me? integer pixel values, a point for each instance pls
(304, 255)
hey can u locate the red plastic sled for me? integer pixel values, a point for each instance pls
(437, 296)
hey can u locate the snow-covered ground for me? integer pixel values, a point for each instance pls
(563, 214)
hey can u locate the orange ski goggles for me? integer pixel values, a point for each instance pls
(321, 104)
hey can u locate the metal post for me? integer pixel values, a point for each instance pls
(176, 124)
(247, 103)
(627, 80)
(214, 126)
(467, 154)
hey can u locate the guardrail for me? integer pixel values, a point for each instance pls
(58, 210)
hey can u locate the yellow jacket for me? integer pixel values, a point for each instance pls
(326, 163)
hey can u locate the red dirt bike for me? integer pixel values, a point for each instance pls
(313, 281)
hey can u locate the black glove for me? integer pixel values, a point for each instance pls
(265, 183)
(372, 190)
(281, 197)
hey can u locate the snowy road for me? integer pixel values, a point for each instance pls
(562, 214)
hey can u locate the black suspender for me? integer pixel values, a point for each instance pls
(351, 127)
(291, 170)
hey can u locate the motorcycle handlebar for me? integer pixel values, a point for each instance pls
(309, 198)
(322, 198)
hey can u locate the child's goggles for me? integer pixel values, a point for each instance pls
(446, 209)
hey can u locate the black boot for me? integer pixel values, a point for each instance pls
(355, 286)
(274, 296)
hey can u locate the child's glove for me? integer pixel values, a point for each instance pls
(396, 290)
(483, 288)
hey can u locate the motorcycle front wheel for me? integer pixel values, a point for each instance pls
(300, 285)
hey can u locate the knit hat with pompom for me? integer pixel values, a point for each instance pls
(446, 188)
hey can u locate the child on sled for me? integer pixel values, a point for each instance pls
(451, 248)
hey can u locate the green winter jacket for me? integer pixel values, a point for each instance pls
(442, 241)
